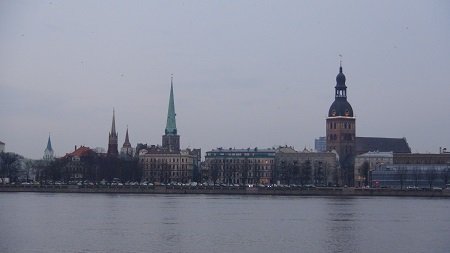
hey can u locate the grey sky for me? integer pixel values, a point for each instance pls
(246, 73)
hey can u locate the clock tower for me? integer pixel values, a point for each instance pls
(341, 129)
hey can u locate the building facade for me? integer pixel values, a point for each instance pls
(305, 167)
(79, 164)
(413, 170)
(320, 144)
(240, 166)
(341, 129)
(161, 165)
(367, 162)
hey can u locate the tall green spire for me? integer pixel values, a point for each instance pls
(171, 126)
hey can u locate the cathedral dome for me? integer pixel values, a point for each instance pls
(340, 107)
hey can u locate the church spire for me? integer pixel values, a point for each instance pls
(170, 139)
(113, 126)
(48, 153)
(49, 144)
(113, 136)
(127, 143)
(171, 125)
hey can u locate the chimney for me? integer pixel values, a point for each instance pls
(75, 147)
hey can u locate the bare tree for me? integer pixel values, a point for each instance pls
(215, 170)
(365, 167)
(445, 174)
(417, 175)
(401, 174)
(305, 172)
(320, 173)
(431, 175)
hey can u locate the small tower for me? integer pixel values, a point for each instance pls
(48, 153)
(113, 139)
(341, 130)
(171, 140)
(127, 150)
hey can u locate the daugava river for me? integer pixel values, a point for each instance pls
(57, 222)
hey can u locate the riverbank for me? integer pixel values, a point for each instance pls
(325, 191)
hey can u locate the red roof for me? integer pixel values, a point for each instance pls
(81, 151)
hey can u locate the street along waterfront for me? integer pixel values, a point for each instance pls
(231, 190)
(49, 222)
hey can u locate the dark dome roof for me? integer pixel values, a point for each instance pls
(340, 107)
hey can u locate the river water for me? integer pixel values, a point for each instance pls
(62, 222)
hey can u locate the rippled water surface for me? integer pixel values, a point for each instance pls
(48, 222)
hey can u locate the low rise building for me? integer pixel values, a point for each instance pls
(79, 163)
(240, 166)
(305, 167)
(417, 170)
(160, 165)
(364, 163)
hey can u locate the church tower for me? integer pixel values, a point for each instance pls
(127, 150)
(113, 136)
(48, 153)
(171, 140)
(341, 130)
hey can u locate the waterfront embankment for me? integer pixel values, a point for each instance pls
(325, 191)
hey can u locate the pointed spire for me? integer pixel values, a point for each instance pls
(113, 126)
(49, 144)
(171, 126)
(127, 140)
(48, 152)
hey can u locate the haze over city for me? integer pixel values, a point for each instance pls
(246, 73)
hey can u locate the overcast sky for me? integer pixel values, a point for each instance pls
(246, 73)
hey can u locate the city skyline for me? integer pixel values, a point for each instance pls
(269, 82)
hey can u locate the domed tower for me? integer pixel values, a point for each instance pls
(341, 129)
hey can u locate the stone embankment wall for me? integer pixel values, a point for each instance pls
(226, 190)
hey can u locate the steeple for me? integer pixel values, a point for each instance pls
(341, 88)
(170, 139)
(171, 125)
(113, 137)
(49, 144)
(340, 106)
(127, 143)
(48, 153)
(113, 126)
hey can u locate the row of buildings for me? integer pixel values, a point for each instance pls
(340, 157)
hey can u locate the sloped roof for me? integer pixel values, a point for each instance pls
(396, 145)
(81, 151)
(2, 142)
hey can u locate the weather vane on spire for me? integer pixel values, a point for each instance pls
(340, 60)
